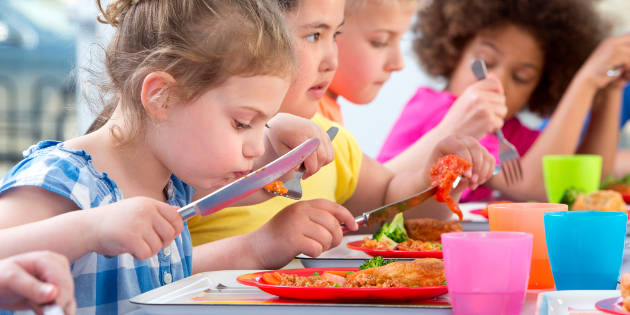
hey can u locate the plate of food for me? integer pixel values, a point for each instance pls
(378, 280)
(571, 302)
(602, 200)
(617, 304)
(339, 256)
(414, 238)
(613, 305)
(619, 185)
(484, 212)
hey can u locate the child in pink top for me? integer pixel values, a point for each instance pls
(537, 57)
(417, 119)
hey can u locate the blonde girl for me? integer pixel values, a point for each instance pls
(191, 108)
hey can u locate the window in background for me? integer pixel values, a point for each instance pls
(37, 58)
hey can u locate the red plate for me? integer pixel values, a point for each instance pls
(332, 294)
(611, 305)
(356, 245)
(479, 212)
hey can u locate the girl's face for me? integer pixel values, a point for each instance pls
(314, 25)
(512, 54)
(369, 48)
(214, 139)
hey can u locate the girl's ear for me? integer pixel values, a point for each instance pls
(155, 94)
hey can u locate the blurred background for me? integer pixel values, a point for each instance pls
(46, 45)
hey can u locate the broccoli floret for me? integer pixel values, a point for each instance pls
(380, 232)
(570, 195)
(391, 242)
(380, 235)
(396, 229)
(377, 261)
(394, 232)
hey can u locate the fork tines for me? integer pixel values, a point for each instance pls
(510, 160)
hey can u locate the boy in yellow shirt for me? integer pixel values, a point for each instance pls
(354, 180)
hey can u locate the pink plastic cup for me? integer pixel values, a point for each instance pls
(487, 272)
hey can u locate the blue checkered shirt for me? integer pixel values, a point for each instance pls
(102, 285)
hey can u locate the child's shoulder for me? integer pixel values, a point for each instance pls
(428, 96)
(68, 172)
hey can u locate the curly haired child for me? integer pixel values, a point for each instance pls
(539, 58)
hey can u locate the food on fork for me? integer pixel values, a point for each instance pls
(390, 274)
(443, 174)
(276, 187)
(606, 200)
(429, 230)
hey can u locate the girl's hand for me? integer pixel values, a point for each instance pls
(34, 279)
(469, 149)
(139, 226)
(310, 227)
(611, 53)
(480, 110)
(287, 131)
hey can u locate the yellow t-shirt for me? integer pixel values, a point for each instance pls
(335, 181)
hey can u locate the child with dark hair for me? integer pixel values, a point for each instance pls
(539, 58)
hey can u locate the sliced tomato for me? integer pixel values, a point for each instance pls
(335, 277)
(271, 278)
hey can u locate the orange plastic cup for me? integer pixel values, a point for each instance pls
(528, 217)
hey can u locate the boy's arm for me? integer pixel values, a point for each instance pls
(378, 185)
(604, 121)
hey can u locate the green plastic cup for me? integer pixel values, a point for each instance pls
(580, 171)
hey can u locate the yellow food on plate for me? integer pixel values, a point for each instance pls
(418, 273)
(605, 200)
(408, 245)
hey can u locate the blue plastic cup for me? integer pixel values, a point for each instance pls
(585, 248)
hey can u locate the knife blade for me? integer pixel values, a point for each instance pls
(249, 183)
(388, 211)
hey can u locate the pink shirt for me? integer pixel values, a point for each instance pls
(425, 110)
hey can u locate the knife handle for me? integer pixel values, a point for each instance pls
(360, 220)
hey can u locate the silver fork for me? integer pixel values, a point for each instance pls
(294, 185)
(509, 159)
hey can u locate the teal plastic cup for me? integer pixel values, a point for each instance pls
(580, 171)
(585, 248)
